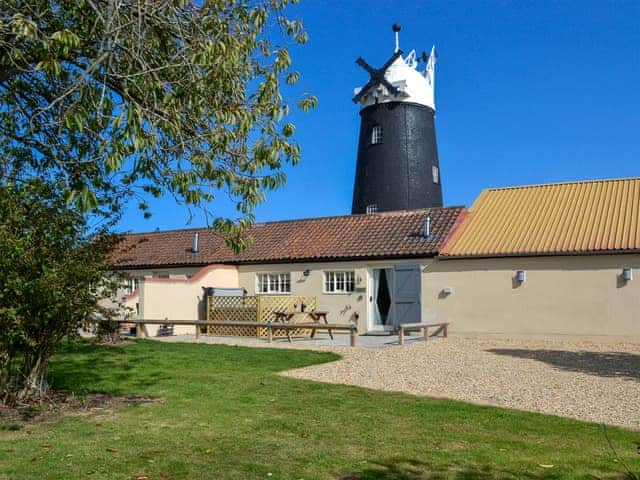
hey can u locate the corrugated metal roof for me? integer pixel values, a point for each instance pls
(600, 216)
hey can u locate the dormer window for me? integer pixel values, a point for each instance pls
(376, 135)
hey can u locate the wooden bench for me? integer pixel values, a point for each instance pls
(421, 326)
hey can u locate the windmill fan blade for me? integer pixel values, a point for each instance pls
(391, 60)
(390, 87)
(361, 62)
(377, 76)
(363, 91)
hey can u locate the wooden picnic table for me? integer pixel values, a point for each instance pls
(315, 315)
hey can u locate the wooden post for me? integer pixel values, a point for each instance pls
(269, 333)
(352, 334)
(208, 314)
(197, 330)
(426, 334)
(139, 330)
(400, 335)
(446, 326)
(258, 309)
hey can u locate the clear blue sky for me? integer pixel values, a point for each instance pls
(526, 92)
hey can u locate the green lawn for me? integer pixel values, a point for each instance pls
(225, 413)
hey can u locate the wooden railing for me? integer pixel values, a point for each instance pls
(268, 326)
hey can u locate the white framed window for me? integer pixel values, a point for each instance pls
(435, 172)
(376, 135)
(373, 208)
(339, 282)
(131, 285)
(273, 283)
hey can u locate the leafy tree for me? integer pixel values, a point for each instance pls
(102, 101)
(52, 280)
(116, 98)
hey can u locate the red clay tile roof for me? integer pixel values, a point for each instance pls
(382, 235)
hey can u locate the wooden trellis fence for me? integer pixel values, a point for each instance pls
(256, 308)
(232, 309)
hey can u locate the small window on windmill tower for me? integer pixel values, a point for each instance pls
(435, 171)
(376, 135)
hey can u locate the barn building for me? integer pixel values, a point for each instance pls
(555, 260)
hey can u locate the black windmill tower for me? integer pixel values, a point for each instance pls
(397, 166)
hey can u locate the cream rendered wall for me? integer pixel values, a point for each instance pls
(571, 296)
(575, 296)
(179, 297)
(129, 301)
(342, 307)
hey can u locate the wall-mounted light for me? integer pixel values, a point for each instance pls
(627, 274)
(521, 276)
(447, 291)
(306, 272)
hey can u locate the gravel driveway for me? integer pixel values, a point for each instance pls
(587, 381)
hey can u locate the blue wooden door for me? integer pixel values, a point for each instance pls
(407, 293)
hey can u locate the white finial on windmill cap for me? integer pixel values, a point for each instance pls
(396, 28)
(398, 80)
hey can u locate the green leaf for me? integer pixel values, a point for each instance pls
(288, 130)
